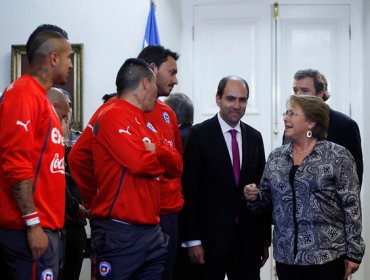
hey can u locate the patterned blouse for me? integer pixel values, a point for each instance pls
(316, 219)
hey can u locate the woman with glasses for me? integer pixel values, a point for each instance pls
(312, 188)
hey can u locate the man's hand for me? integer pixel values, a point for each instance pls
(196, 254)
(251, 192)
(149, 146)
(265, 255)
(350, 267)
(37, 240)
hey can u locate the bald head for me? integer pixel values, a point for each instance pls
(222, 84)
(60, 102)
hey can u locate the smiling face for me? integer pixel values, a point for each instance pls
(166, 76)
(233, 102)
(296, 123)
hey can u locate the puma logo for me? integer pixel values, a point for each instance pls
(124, 131)
(23, 124)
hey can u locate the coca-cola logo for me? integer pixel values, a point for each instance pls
(56, 136)
(57, 165)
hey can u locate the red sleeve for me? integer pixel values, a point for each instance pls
(170, 158)
(80, 161)
(18, 116)
(127, 149)
(177, 134)
(80, 158)
(170, 153)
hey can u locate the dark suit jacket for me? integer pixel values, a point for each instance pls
(345, 132)
(213, 200)
(184, 131)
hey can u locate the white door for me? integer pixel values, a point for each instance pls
(311, 36)
(233, 40)
(247, 41)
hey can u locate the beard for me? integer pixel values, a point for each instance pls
(62, 80)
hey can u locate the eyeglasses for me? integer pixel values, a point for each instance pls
(291, 114)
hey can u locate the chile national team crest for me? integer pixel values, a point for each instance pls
(104, 268)
(47, 274)
(166, 117)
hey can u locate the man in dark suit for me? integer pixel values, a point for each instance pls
(222, 237)
(342, 129)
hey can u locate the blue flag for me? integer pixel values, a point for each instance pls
(151, 32)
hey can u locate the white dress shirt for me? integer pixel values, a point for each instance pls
(227, 135)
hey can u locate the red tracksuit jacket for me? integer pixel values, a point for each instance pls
(128, 175)
(31, 146)
(80, 159)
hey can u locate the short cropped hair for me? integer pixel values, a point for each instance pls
(182, 106)
(316, 110)
(131, 73)
(40, 35)
(157, 54)
(320, 82)
(223, 82)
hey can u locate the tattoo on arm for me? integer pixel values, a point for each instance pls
(23, 195)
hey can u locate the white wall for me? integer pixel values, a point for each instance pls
(110, 30)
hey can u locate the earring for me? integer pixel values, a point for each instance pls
(309, 134)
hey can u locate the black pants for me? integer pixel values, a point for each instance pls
(184, 269)
(75, 244)
(235, 265)
(333, 270)
(16, 257)
(124, 251)
(170, 226)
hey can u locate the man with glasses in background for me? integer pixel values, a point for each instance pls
(342, 129)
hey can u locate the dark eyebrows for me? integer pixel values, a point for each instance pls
(230, 97)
